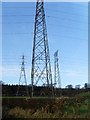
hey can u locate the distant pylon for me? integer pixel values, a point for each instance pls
(41, 68)
(22, 87)
(57, 81)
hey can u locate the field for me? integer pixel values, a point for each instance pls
(40, 107)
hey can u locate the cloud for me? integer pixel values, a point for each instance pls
(11, 74)
(12, 70)
(0, 72)
(72, 73)
(9, 70)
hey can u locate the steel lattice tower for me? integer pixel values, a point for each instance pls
(41, 68)
(57, 82)
(22, 82)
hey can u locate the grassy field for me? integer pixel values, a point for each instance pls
(43, 107)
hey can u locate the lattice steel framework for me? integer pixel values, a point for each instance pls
(41, 68)
(57, 81)
(22, 82)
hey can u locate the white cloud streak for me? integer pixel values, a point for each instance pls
(13, 70)
(71, 73)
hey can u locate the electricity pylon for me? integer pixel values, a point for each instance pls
(41, 68)
(57, 81)
(22, 87)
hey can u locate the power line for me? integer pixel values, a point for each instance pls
(12, 15)
(61, 5)
(71, 37)
(67, 19)
(66, 12)
(10, 58)
(53, 10)
(17, 23)
(59, 25)
(76, 38)
(23, 7)
(49, 16)
(73, 61)
(69, 27)
(16, 33)
(49, 24)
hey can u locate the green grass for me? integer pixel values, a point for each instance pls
(68, 109)
(14, 97)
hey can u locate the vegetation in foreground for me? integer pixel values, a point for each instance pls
(61, 107)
